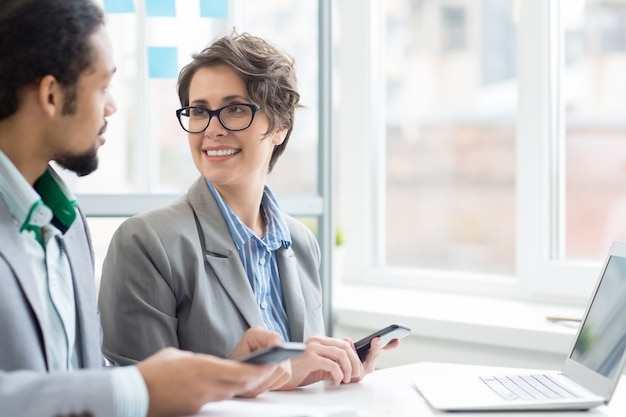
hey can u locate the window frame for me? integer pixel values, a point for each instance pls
(541, 273)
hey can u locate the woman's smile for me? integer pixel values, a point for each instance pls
(211, 153)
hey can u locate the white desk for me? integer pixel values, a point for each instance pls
(384, 393)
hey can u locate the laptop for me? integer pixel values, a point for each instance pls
(588, 378)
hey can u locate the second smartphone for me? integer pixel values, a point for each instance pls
(386, 334)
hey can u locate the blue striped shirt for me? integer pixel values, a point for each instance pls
(258, 257)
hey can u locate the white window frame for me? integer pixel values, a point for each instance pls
(540, 272)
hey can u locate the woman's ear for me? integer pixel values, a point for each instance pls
(280, 135)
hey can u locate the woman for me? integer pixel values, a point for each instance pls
(198, 273)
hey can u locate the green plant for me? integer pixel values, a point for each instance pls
(339, 237)
(311, 223)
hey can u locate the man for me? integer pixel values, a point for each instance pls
(55, 68)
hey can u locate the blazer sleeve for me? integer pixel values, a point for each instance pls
(36, 394)
(135, 289)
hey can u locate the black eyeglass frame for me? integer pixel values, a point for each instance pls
(253, 107)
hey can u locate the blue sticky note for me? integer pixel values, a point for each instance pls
(162, 62)
(119, 6)
(214, 8)
(165, 8)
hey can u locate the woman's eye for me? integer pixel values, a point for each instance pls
(198, 112)
(234, 109)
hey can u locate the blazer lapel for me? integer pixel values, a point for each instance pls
(88, 340)
(13, 251)
(292, 290)
(221, 253)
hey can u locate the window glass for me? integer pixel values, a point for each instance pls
(451, 101)
(292, 26)
(146, 150)
(593, 89)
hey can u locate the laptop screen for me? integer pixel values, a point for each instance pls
(601, 342)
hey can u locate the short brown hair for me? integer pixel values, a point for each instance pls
(268, 73)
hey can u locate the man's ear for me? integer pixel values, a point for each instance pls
(50, 95)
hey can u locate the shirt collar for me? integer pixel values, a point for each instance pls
(32, 207)
(276, 231)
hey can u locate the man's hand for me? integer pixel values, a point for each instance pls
(179, 382)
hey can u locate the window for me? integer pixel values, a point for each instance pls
(450, 137)
(595, 126)
(147, 151)
(454, 28)
(493, 164)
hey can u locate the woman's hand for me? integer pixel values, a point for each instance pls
(328, 358)
(325, 358)
(257, 338)
(369, 364)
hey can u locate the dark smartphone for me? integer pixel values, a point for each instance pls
(387, 334)
(274, 354)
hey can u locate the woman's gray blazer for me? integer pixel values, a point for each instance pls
(173, 277)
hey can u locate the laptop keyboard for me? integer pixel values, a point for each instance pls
(527, 387)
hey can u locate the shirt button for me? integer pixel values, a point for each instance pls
(264, 305)
(262, 261)
(39, 217)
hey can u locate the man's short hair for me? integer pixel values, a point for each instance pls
(44, 37)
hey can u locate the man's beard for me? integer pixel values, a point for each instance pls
(80, 164)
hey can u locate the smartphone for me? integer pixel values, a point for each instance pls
(274, 354)
(387, 334)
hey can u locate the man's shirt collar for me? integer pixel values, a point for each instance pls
(34, 207)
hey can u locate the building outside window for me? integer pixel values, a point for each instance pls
(496, 166)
